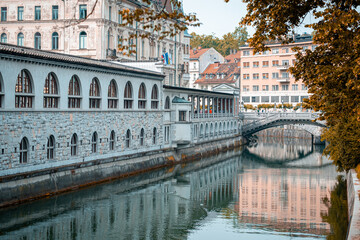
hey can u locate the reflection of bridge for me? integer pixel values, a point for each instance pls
(261, 121)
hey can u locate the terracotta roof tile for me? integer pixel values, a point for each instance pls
(195, 54)
(213, 70)
(231, 58)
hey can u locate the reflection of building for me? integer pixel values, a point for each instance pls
(286, 199)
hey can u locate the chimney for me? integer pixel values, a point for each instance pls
(217, 64)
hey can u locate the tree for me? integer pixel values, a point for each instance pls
(331, 71)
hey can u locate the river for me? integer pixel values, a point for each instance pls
(274, 189)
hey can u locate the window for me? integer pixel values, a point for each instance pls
(285, 87)
(275, 63)
(128, 96)
(275, 87)
(167, 133)
(4, 38)
(285, 62)
(74, 145)
(255, 99)
(74, 98)
(24, 150)
(265, 63)
(127, 138)
(142, 97)
(274, 99)
(295, 99)
(37, 41)
(1, 93)
(246, 53)
(303, 87)
(255, 64)
(246, 76)
(167, 103)
(246, 88)
(20, 13)
(285, 50)
(285, 75)
(110, 13)
(182, 116)
(94, 140)
(142, 135)
(55, 12)
(255, 76)
(265, 76)
(55, 41)
(246, 64)
(265, 99)
(285, 99)
(94, 94)
(112, 140)
(154, 135)
(275, 51)
(275, 75)
(51, 93)
(82, 11)
(20, 39)
(112, 95)
(294, 87)
(83, 40)
(265, 87)
(37, 13)
(3, 14)
(50, 147)
(256, 88)
(154, 97)
(23, 90)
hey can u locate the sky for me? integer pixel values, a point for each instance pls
(220, 18)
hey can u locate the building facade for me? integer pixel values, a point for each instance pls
(265, 77)
(90, 29)
(199, 60)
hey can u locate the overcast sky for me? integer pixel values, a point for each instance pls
(220, 18)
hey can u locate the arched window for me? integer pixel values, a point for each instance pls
(50, 147)
(94, 99)
(74, 145)
(94, 140)
(74, 98)
(154, 135)
(142, 135)
(112, 95)
(51, 93)
(55, 41)
(201, 131)
(220, 129)
(154, 97)
(167, 103)
(206, 130)
(24, 150)
(224, 128)
(127, 138)
(112, 140)
(37, 41)
(216, 129)
(128, 96)
(20, 39)
(83, 40)
(4, 38)
(142, 96)
(23, 90)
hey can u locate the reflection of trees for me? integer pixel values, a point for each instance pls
(337, 215)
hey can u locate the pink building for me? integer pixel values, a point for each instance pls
(265, 77)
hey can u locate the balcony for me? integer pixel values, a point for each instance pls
(283, 79)
(283, 67)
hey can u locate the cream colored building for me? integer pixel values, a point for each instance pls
(84, 29)
(265, 77)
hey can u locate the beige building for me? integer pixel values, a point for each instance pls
(265, 77)
(84, 29)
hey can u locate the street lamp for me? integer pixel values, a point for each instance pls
(242, 106)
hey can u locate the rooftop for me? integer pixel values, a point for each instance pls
(218, 73)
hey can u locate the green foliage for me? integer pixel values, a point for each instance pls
(331, 72)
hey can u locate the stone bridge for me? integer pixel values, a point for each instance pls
(255, 122)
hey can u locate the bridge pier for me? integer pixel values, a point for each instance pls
(316, 140)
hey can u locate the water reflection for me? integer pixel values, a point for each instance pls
(254, 195)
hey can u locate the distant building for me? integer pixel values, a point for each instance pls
(233, 58)
(265, 77)
(200, 59)
(84, 29)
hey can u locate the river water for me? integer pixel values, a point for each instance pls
(274, 189)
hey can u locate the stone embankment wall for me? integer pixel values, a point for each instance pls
(22, 187)
(287, 131)
(353, 198)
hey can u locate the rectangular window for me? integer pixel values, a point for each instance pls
(255, 76)
(82, 11)
(265, 99)
(265, 76)
(275, 75)
(275, 63)
(255, 88)
(246, 76)
(37, 13)
(255, 99)
(246, 64)
(275, 87)
(285, 87)
(182, 116)
(55, 12)
(285, 75)
(294, 87)
(3, 14)
(275, 51)
(246, 53)
(266, 52)
(255, 64)
(265, 87)
(285, 99)
(285, 62)
(265, 63)
(295, 99)
(246, 88)
(20, 13)
(110, 13)
(246, 99)
(303, 87)
(285, 50)
(274, 99)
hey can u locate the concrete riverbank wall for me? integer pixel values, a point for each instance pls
(353, 198)
(23, 187)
